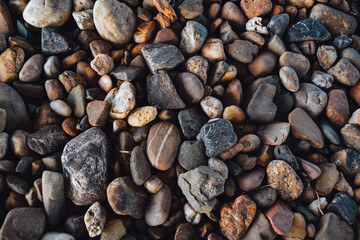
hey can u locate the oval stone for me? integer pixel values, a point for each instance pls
(162, 145)
(158, 207)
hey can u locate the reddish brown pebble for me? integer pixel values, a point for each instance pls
(254, 8)
(11, 62)
(166, 35)
(236, 217)
(144, 32)
(97, 112)
(280, 217)
(102, 64)
(337, 109)
(263, 64)
(164, 7)
(69, 126)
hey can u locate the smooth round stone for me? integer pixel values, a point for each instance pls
(54, 90)
(234, 93)
(190, 9)
(274, 134)
(76, 100)
(191, 120)
(154, 184)
(350, 135)
(345, 72)
(114, 21)
(212, 106)
(234, 113)
(142, 116)
(95, 218)
(52, 67)
(326, 55)
(162, 145)
(18, 143)
(298, 62)
(263, 64)
(213, 50)
(276, 45)
(278, 24)
(139, 166)
(337, 109)
(348, 161)
(192, 154)
(329, 176)
(193, 37)
(232, 13)
(289, 78)
(251, 180)
(353, 56)
(242, 51)
(184, 231)
(51, 14)
(189, 88)
(11, 61)
(114, 230)
(32, 68)
(158, 207)
(284, 180)
(61, 108)
(264, 197)
(125, 198)
(312, 170)
(57, 236)
(310, 98)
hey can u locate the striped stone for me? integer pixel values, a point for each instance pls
(162, 145)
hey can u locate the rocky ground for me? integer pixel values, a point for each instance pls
(180, 119)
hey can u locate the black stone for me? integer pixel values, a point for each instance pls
(24, 164)
(161, 92)
(49, 139)
(85, 162)
(342, 41)
(309, 217)
(17, 184)
(308, 29)
(3, 43)
(140, 133)
(192, 154)
(278, 24)
(75, 226)
(284, 153)
(284, 102)
(264, 197)
(191, 120)
(218, 136)
(53, 43)
(332, 227)
(233, 167)
(343, 206)
(139, 166)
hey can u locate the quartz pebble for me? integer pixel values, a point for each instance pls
(121, 100)
(212, 107)
(95, 218)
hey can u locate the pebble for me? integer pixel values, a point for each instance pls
(242, 51)
(212, 107)
(114, 21)
(184, 231)
(11, 62)
(191, 9)
(49, 139)
(278, 24)
(5, 17)
(69, 80)
(282, 177)
(234, 113)
(125, 198)
(343, 186)
(84, 19)
(18, 143)
(355, 117)
(153, 184)
(260, 228)
(191, 120)
(317, 205)
(213, 50)
(261, 107)
(158, 207)
(53, 43)
(4, 138)
(57, 236)
(189, 88)
(51, 14)
(142, 116)
(232, 13)
(54, 89)
(162, 145)
(17, 184)
(348, 161)
(304, 128)
(274, 133)
(165, 8)
(333, 227)
(166, 35)
(81, 5)
(280, 217)
(308, 29)
(342, 41)
(337, 109)
(298, 62)
(343, 206)
(192, 154)
(345, 72)
(160, 56)
(97, 112)
(353, 56)
(251, 180)
(198, 66)
(75, 225)
(284, 153)
(256, 8)
(328, 178)
(102, 64)
(264, 197)
(32, 68)
(322, 80)
(227, 34)
(61, 108)
(193, 37)
(254, 24)
(311, 99)
(218, 71)
(78, 160)
(220, 130)
(126, 73)
(53, 196)
(139, 166)
(236, 217)
(76, 100)
(24, 223)
(297, 229)
(350, 135)
(95, 218)
(194, 185)
(114, 230)
(289, 78)
(333, 18)
(311, 170)
(144, 32)
(121, 100)
(326, 55)
(52, 67)
(263, 64)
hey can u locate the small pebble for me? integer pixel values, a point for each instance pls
(95, 218)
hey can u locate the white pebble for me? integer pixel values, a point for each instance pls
(255, 24)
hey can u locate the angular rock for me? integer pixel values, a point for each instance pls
(256, 8)
(114, 229)
(335, 21)
(161, 56)
(85, 162)
(158, 207)
(162, 145)
(114, 21)
(161, 92)
(298, 228)
(343, 206)
(84, 19)
(97, 112)
(311, 170)
(125, 198)
(193, 37)
(52, 13)
(218, 137)
(191, 120)
(353, 56)
(53, 43)
(126, 73)
(274, 133)
(348, 161)
(198, 66)
(351, 136)
(280, 217)
(308, 29)
(121, 100)
(261, 108)
(322, 80)
(236, 217)
(345, 72)
(200, 187)
(284, 153)
(304, 128)
(17, 184)
(260, 229)
(355, 117)
(278, 24)
(333, 227)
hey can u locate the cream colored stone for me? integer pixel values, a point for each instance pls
(142, 116)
